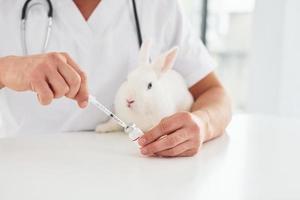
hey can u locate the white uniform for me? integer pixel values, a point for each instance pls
(106, 48)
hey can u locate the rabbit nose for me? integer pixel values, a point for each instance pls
(129, 102)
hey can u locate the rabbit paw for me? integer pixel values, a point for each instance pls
(103, 128)
(110, 126)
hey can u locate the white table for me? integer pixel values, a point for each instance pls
(257, 159)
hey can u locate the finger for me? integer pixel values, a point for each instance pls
(44, 93)
(176, 151)
(71, 77)
(57, 84)
(83, 94)
(168, 142)
(165, 127)
(188, 153)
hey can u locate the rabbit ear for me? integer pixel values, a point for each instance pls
(145, 52)
(166, 61)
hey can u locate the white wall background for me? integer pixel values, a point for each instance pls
(274, 71)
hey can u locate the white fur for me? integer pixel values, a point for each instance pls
(168, 95)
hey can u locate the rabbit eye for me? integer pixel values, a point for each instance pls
(149, 86)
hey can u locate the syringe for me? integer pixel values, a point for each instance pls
(100, 106)
(134, 132)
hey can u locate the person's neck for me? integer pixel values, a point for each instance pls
(86, 7)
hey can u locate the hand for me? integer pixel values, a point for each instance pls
(51, 76)
(179, 135)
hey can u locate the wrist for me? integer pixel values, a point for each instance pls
(203, 118)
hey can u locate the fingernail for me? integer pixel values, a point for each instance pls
(144, 151)
(142, 141)
(84, 104)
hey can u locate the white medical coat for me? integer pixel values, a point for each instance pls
(106, 48)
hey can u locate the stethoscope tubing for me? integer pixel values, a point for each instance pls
(137, 23)
(26, 8)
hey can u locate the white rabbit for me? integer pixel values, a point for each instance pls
(151, 92)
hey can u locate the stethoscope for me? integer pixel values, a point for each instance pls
(27, 7)
(134, 132)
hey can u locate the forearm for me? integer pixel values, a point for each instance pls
(214, 107)
(1, 71)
